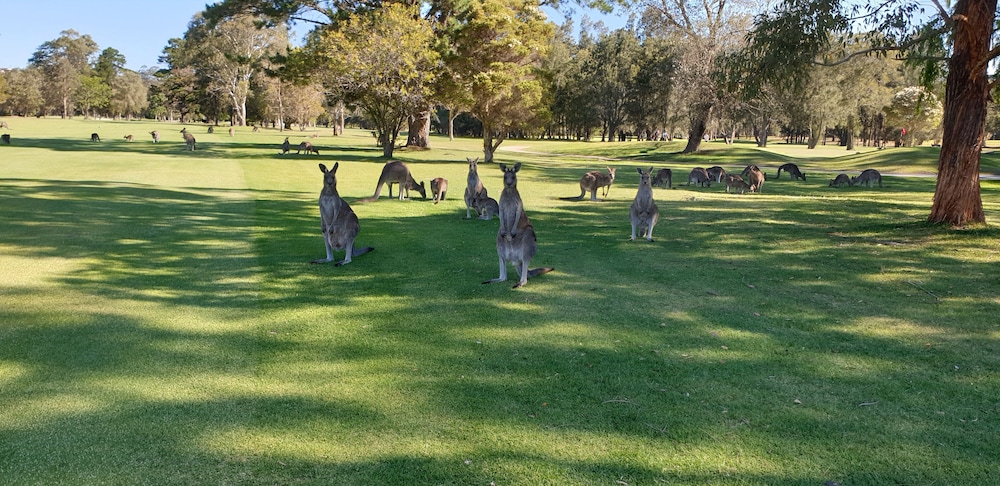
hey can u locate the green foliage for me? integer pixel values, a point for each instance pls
(918, 112)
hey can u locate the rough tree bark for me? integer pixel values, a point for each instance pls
(699, 124)
(957, 197)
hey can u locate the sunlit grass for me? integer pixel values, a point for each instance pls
(159, 320)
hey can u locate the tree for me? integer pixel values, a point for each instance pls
(3, 88)
(130, 95)
(63, 61)
(24, 92)
(800, 32)
(229, 53)
(611, 71)
(382, 63)
(917, 112)
(92, 95)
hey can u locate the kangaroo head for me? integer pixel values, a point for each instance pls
(420, 189)
(510, 174)
(330, 176)
(611, 172)
(472, 163)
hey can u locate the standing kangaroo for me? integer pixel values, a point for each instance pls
(439, 188)
(188, 139)
(474, 189)
(516, 242)
(592, 181)
(156, 136)
(644, 214)
(793, 171)
(868, 176)
(663, 176)
(340, 224)
(285, 146)
(396, 172)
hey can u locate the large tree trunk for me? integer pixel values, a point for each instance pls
(850, 132)
(419, 129)
(699, 124)
(957, 198)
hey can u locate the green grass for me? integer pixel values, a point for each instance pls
(160, 323)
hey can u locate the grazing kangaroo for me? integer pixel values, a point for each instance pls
(255, 129)
(516, 242)
(756, 177)
(644, 214)
(285, 146)
(95, 137)
(396, 172)
(486, 207)
(700, 177)
(308, 147)
(474, 190)
(840, 180)
(188, 139)
(439, 188)
(129, 138)
(156, 136)
(592, 181)
(793, 172)
(5, 138)
(736, 183)
(868, 176)
(4, 125)
(340, 224)
(716, 173)
(663, 176)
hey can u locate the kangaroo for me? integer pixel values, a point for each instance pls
(840, 180)
(516, 242)
(439, 188)
(644, 214)
(868, 176)
(592, 181)
(129, 138)
(285, 146)
(340, 224)
(232, 131)
(716, 173)
(756, 177)
(663, 176)
(396, 172)
(5, 138)
(735, 183)
(308, 147)
(700, 177)
(4, 125)
(156, 136)
(95, 137)
(188, 139)
(487, 207)
(474, 190)
(793, 172)
(255, 129)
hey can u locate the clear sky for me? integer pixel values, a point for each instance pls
(139, 29)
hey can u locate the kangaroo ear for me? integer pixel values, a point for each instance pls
(517, 167)
(335, 165)
(322, 168)
(503, 167)
(638, 170)
(650, 170)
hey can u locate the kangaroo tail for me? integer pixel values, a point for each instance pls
(534, 272)
(361, 251)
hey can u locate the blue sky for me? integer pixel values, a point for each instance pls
(139, 29)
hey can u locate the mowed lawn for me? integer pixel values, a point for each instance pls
(160, 322)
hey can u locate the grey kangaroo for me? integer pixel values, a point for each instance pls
(756, 177)
(592, 181)
(486, 207)
(129, 138)
(869, 177)
(644, 214)
(396, 172)
(340, 224)
(736, 184)
(308, 147)
(700, 177)
(663, 176)
(95, 137)
(516, 242)
(285, 146)
(156, 136)
(716, 173)
(439, 188)
(840, 180)
(188, 139)
(793, 171)
(474, 190)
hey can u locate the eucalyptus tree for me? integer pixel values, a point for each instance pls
(916, 112)
(3, 88)
(24, 92)
(611, 71)
(958, 39)
(703, 32)
(130, 95)
(63, 62)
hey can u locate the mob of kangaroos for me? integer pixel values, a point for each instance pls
(339, 223)
(516, 241)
